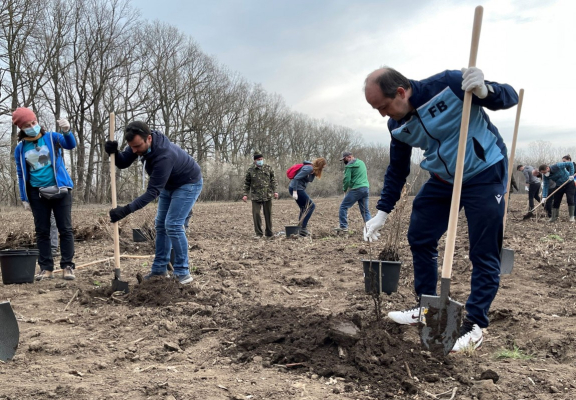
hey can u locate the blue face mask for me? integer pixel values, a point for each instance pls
(260, 163)
(32, 132)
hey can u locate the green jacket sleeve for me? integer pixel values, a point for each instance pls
(347, 178)
(273, 181)
(247, 183)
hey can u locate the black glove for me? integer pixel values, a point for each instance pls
(116, 214)
(111, 147)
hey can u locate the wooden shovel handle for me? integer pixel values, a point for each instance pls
(456, 191)
(113, 193)
(513, 153)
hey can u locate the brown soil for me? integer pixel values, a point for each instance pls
(282, 319)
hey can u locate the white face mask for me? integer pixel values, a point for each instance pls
(260, 163)
(547, 174)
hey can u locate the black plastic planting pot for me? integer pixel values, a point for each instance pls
(292, 230)
(18, 266)
(381, 276)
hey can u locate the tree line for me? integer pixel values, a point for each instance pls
(82, 59)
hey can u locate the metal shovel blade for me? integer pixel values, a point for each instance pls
(506, 261)
(117, 284)
(442, 318)
(9, 331)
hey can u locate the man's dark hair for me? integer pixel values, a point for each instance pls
(542, 168)
(136, 128)
(390, 80)
(518, 167)
(567, 157)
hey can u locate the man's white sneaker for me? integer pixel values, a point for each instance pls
(471, 337)
(406, 317)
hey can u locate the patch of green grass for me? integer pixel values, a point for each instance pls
(552, 237)
(515, 354)
(144, 264)
(96, 283)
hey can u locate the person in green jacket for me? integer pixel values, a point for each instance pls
(356, 183)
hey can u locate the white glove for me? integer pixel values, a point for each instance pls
(473, 80)
(26, 205)
(295, 195)
(543, 200)
(64, 124)
(527, 188)
(373, 225)
(570, 178)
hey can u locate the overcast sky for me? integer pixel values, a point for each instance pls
(316, 53)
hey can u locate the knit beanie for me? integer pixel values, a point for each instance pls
(22, 116)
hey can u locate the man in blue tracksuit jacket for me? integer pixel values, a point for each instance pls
(427, 114)
(559, 173)
(175, 178)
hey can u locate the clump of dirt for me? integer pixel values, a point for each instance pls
(305, 282)
(159, 291)
(372, 353)
(19, 239)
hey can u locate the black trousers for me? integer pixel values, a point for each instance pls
(567, 189)
(533, 191)
(42, 209)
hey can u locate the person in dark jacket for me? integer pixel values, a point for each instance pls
(39, 165)
(175, 178)
(532, 184)
(559, 173)
(355, 181)
(426, 114)
(260, 183)
(297, 190)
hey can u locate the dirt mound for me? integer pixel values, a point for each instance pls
(368, 353)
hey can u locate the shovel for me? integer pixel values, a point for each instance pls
(117, 284)
(441, 315)
(531, 212)
(507, 255)
(9, 332)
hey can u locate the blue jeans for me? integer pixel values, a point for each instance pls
(304, 202)
(173, 208)
(359, 195)
(483, 202)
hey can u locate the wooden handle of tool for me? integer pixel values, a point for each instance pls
(512, 154)
(456, 191)
(550, 195)
(113, 193)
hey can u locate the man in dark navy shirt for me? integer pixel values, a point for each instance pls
(176, 178)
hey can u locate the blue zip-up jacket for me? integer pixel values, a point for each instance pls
(302, 178)
(434, 126)
(559, 173)
(61, 176)
(168, 166)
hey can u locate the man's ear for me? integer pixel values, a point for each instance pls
(401, 92)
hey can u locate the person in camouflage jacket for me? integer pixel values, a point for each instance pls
(260, 183)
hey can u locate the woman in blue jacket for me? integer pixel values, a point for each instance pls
(297, 189)
(45, 187)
